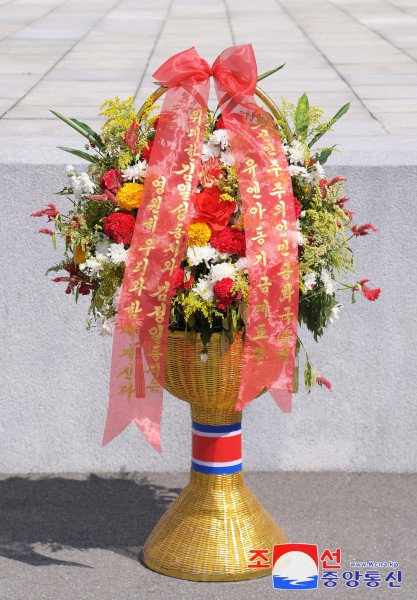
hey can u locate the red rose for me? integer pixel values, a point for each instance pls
(229, 240)
(223, 292)
(178, 281)
(212, 210)
(112, 180)
(146, 152)
(119, 226)
(220, 123)
(297, 207)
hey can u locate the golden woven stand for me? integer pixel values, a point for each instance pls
(208, 532)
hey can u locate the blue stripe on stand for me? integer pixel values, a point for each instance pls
(217, 428)
(216, 470)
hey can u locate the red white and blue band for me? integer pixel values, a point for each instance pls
(216, 449)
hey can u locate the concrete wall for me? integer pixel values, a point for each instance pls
(54, 374)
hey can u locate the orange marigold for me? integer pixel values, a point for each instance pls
(129, 196)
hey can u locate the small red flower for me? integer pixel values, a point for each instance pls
(363, 229)
(220, 123)
(369, 293)
(49, 211)
(229, 240)
(323, 381)
(112, 180)
(297, 207)
(119, 226)
(146, 152)
(223, 292)
(47, 231)
(341, 202)
(155, 123)
(324, 183)
(131, 138)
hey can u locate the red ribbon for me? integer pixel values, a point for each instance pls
(158, 244)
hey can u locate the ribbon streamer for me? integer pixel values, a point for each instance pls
(158, 242)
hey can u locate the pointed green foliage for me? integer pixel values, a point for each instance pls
(80, 154)
(309, 376)
(271, 72)
(94, 138)
(302, 117)
(82, 128)
(342, 111)
(324, 154)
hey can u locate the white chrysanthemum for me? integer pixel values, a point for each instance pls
(327, 281)
(198, 254)
(116, 297)
(227, 157)
(81, 184)
(310, 280)
(334, 313)
(107, 326)
(209, 151)
(204, 289)
(317, 172)
(242, 265)
(92, 266)
(136, 172)
(219, 138)
(71, 170)
(117, 253)
(300, 239)
(296, 171)
(295, 152)
(222, 271)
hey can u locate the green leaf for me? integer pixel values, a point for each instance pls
(302, 117)
(322, 156)
(271, 72)
(82, 128)
(65, 192)
(342, 111)
(206, 334)
(77, 293)
(309, 376)
(95, 136)
(80, 154)
(54, 240)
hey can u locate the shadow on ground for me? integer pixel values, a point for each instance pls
(116, 513)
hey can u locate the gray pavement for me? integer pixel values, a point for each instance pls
(79, 537)
(70, 55)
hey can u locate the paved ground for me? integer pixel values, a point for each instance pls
(65, 538)
(71, 54)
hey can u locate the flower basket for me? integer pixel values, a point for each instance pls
(203, 240)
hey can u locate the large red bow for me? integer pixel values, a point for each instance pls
(158, 241)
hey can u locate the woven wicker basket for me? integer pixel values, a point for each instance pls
(209, 531)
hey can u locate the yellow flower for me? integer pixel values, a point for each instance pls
(79, 254)
(129, 196)
(227, 198)
(198, 234)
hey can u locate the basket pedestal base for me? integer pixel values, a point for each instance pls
(207, 534)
